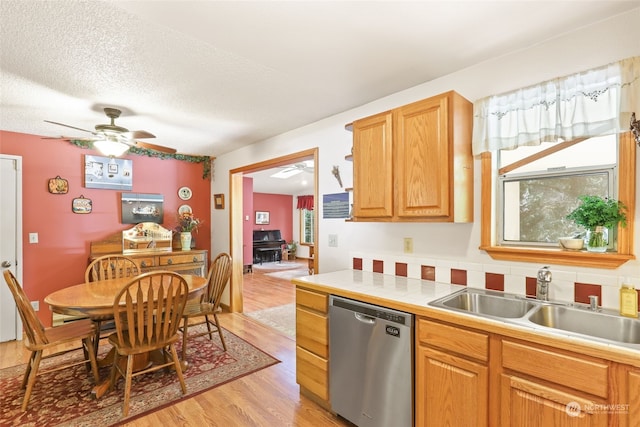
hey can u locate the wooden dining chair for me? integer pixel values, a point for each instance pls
(147, 313)
(38, 339)
(104, 268)
(111, 267)
(209, 303)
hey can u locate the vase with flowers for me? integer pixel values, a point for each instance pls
(187, 224)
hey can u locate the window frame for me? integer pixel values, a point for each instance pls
(626, 194)
(501, 180)
(302, 226)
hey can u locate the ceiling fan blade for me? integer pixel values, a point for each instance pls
(68, 138)
(69, 126)
(138, 134)
(155, 147)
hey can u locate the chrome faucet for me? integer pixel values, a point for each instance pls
(542, 283)
(593, 302)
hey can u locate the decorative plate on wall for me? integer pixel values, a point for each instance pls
(58, 185)
(184, 193)
(81, 205)
(184, 209)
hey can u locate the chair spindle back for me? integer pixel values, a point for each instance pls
(33, 327)
(148, 310)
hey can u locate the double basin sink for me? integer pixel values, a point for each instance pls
(573, 319)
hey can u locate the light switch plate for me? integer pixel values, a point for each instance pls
(333, 240)
(33, 237)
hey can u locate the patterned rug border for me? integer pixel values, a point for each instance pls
(105, 418)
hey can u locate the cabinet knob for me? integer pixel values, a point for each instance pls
(169, 261)
(195, 259)
(143, 264)
(6, 264)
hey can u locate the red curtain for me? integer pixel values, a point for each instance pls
(305, 202)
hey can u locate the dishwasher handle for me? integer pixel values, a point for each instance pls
(364, 318)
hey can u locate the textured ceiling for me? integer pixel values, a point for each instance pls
(207, 77)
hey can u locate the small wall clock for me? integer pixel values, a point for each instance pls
(184, 193)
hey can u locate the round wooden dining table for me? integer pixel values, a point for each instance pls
(95, 301)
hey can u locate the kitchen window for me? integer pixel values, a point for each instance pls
(543, 146)
(534, 198)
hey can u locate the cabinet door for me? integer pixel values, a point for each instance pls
(529, 404)
(450, 390)
(422, 159)
(373, 167)
(632, 398)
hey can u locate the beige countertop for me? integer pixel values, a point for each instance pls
(414, 295)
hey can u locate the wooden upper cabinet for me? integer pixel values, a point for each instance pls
(414, 163)
(373, 167)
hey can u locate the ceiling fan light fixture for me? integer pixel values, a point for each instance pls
(111, 148)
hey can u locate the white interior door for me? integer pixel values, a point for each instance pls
(11, 242)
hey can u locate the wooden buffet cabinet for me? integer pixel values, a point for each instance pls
(185, 262)
(475, 373)
(414, 163)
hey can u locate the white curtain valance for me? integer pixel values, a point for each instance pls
(590, 103)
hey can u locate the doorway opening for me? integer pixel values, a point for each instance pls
(237, 213)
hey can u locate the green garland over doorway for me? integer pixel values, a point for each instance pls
(205, 160)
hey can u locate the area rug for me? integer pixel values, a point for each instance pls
(63, 398)
(289, 274)
(281, 318)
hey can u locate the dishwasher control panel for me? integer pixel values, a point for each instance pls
(372, 311)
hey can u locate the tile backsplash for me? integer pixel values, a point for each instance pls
(566, 285)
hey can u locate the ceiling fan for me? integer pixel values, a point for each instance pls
(305, 166)
(113, 140)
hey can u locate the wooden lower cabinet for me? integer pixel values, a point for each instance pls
(452, 375)
(628, 412)
(450, 390)
(312, 345)
(527, 403)
(466, 376)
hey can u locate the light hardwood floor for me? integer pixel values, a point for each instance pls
(269, 397)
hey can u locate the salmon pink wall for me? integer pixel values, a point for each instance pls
(280, 208)
(60, 258)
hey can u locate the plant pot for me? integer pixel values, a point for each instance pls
(185, 240)
(597, 239)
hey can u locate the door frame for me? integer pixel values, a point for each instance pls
(17, 267)
(236, 214)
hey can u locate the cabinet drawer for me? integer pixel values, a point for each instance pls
(314, 300)
(581, 373)
(180, 259)
(146, 262)
(312, 332)
(467, 343)
(312, 373)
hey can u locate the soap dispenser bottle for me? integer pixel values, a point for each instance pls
(628, 300)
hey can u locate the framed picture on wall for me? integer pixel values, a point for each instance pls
(108, 173)
(262, 217)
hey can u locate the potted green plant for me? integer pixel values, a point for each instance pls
(292, 246)
(598, 215)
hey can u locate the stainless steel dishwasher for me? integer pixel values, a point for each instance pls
(370, 363)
